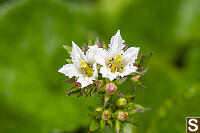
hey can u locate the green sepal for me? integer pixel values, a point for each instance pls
(85, 48)
(140, 108)
(130, 98)
(144, 60)
(105, 46)
(68, 49)
(80, 94)
(88, 91)
(110, 122)
(136, 78)
(144, 71)
(98, 43)
(125, 48)
(69, 61)
(102, 123)
(100, 83)
(73, 91)
(106, 98)
(142, 85)
(103, 89)
(70, 80)
(120, 81)
(107, 80)
(132, 111)
(115, 114)
(90, 42)
(130, 105)
(94, 125)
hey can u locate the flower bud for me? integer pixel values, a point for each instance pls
(100, 84)
(98, 109)
(106, 115)
(121, 101)
(111, 88)
(122, 115)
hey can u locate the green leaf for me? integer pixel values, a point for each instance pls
(94, 125)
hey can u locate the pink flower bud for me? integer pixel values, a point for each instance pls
(122, 115)
(106, 115)
(111, 88)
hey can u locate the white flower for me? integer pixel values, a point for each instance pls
(115, 61)
(84, 65)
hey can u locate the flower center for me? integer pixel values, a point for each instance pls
(115, 64)
(87, 69)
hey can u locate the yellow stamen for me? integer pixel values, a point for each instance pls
(115, 64)
(118, 57)
(83, 64)
(87, 68)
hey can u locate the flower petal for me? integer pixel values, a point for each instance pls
(128, 69)
(69, 70)
(130, 55)
(95, 74)
(91, 54)
(106, 73)
(77, 55)
(85, 81)
(102, 56)
(116, 44)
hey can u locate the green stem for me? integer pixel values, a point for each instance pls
(117, 126)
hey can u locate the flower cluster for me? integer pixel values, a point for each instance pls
(103, 69)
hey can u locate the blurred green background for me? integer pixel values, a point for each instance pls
(32, 93)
